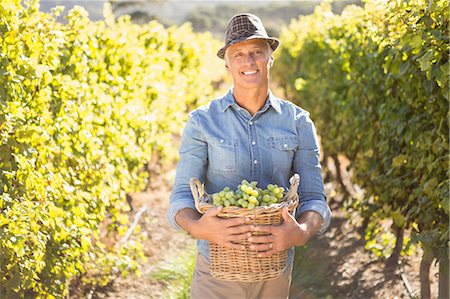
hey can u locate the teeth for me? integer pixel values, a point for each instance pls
(250, 73)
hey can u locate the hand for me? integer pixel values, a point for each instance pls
(222, 231)
(286, 235)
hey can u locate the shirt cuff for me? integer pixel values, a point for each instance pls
(320, 207)
(175, 207)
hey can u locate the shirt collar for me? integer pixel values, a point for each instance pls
(275, 102)
(228, 100)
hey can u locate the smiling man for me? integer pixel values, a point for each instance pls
(248, 134)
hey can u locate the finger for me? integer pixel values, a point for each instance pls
(239, 237)
(287, 217)
(213, 212)
(261, 239)
(237, 221)
(264, 228)
(262, 247)
(240, 229)
(234, 246)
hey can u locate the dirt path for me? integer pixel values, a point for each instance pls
(332, 265)
(336, 265)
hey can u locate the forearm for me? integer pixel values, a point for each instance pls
(309, 222)
(319, 206)
(187, 219)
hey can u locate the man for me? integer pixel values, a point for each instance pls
(248, 134)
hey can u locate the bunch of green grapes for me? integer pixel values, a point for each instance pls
(248, 195)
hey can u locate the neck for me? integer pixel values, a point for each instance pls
(251, 99)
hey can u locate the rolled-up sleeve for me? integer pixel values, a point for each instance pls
(319, 206)
(307, 165)
(192, 163)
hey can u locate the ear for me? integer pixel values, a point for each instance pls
(271, 61)
(227, 67)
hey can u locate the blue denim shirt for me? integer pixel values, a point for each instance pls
(223, 144)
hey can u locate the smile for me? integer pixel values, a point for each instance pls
(250, 73)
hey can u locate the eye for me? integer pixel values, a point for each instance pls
(258, 52)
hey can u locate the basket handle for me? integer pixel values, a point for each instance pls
(198, 191)
(293, 189)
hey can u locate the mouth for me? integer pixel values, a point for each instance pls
(249, 73)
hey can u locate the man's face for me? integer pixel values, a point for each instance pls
(249, 63)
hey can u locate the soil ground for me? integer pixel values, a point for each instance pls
(332, 265)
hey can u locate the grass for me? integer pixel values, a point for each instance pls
(176, 273)
(309, 277)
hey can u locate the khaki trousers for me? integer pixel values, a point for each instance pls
(204, 286)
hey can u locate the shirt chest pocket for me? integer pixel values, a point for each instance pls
(284, 143)
(222, 154)
(282, 150)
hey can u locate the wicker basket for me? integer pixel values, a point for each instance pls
(245, 265)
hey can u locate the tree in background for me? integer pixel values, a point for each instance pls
(274, 14)
(137, 11)
(213, 18)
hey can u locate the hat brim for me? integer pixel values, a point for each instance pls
(273, 42)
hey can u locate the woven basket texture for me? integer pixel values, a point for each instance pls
(244, 264)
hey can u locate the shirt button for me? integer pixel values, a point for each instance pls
(285, 145)
(253, 143)
(251, 123)
(255, 161)
(221, 140)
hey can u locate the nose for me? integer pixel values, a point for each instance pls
(249, 59)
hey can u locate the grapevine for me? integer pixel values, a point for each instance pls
(375, 79)
(83, 106)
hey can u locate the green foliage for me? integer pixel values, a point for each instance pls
(376, 82)
(83, 106)
(176, 272)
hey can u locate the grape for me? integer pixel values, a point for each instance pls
(253, 200)
(248, 195)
